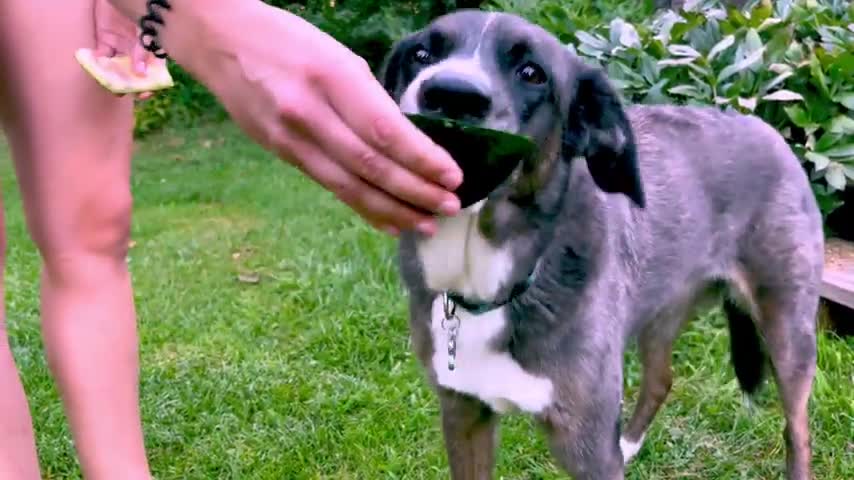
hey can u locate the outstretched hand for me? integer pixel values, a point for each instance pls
(301, 94)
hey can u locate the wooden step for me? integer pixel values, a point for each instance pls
(838, 282)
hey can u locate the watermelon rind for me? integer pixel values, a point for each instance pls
(116, 75)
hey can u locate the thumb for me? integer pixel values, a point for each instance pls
(140, 58)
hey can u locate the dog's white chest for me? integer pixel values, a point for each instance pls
(491, 375)
(459, 259)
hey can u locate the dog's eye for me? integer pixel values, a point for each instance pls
(423, 56)
(532, 74)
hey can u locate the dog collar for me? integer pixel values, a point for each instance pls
(479, 308)
(451, 322)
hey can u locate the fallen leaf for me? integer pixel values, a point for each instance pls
(176, 142)
(249, 278)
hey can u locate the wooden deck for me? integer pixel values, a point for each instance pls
(838, 284)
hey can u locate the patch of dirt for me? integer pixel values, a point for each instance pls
(839, 254)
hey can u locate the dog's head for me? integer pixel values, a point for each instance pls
(502, 72)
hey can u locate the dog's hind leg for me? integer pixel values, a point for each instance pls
(784, 286)
(469, 428)
(788, 325)
(655, 345)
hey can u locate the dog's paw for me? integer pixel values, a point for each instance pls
(630, 448)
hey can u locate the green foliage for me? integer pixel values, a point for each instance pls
(563, 18)
(368, 27)
(187, 102)
(792, 64)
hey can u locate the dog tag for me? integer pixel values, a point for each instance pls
(451, 323)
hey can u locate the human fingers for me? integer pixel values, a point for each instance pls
(378, 208)
(366, 107)
(344, 147)
(140, 58)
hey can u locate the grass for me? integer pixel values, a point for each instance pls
(307, 374)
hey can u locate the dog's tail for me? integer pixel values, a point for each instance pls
(748, 358)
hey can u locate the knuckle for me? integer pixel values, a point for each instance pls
(385, 132)
(314, 74)
(371, 166)
(285, 148)
(345, 191)
(363, 64)
(291, 109)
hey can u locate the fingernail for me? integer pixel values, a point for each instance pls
(450, 207)
(451, 179)
(427, 227)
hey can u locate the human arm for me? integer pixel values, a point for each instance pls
(318, 108)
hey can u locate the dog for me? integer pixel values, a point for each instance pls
(627, 221)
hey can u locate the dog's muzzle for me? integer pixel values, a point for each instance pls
(447, 94)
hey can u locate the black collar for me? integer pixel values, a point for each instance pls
(478, 308)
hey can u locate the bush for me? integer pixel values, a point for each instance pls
(564, 17)
(791, 64)
(182, 105)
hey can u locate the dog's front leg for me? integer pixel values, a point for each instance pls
(583, 426)
(585, 443)
(469, 428)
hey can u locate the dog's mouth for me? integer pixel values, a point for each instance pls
(486, 156)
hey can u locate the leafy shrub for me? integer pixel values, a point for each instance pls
(564, 17)
(369, 27)
(185, 103)
(791, 63)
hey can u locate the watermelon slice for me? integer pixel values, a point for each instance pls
(116, 73)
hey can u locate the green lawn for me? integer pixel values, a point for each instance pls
(307, 374)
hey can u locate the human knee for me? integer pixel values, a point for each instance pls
(97, 228)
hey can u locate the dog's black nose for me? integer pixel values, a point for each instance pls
(453, 97)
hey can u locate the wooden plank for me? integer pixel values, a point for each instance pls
(838, 281)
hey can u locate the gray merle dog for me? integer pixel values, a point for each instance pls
(628, 221)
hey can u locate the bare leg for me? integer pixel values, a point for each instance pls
(18, 457)
(71, 142)
(469, 429)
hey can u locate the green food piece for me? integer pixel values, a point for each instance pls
(486, 156)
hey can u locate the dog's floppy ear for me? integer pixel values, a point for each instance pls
(598, 129)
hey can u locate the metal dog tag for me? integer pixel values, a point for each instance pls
(451, 323)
